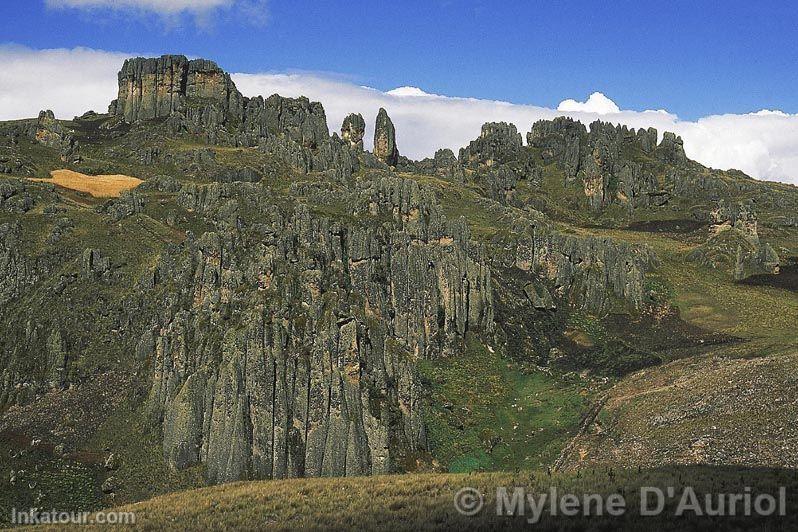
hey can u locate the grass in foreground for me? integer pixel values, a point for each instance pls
(425, 502)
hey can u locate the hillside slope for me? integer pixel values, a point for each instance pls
(427, 502)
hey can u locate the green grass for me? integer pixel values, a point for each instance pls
(710, 298)
(41, 480)
(488, 414)
(136, 443)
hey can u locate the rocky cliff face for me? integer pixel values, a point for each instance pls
(587, 273)
(599, 158)
(291, 350)
(152, 88)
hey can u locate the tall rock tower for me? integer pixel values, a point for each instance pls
(385, 139)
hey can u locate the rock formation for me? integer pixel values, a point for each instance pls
(385, 139)
(587, 273)
(277, 304)
(734, 245)
(498, 143)
(671, 149)
(53, 135)
(332, 390)
(352, 131)
(598, 157)
(159, 87)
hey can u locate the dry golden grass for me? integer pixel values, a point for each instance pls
(426, 502)
(99, 186)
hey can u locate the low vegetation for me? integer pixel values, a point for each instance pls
(423, 502)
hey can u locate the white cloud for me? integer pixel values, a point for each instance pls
(69, 82)
(596, 103)
(763, 144)
(158, 6)
(253, 11)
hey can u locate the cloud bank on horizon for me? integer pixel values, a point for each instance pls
(763, 144)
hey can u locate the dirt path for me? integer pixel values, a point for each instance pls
(590, 417)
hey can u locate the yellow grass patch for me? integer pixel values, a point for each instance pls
(99, 186)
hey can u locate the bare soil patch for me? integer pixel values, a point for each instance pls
(99, 186)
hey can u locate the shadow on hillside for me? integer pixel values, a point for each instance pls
(786, 279)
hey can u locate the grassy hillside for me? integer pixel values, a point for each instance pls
(426, 502)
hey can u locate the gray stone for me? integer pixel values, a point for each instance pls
(352, 131)
(385, 139)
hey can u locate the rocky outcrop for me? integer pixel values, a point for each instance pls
(15, 196)
(298, 120)
(559, 140)
(16, 272)
(734, 245)
(739, 216)
(12, 162)
(385, 139)
(291, 351)
(590, 273)
(51, 133)
(197, 98)
(444, 164)
(498, 142)
(501, 183)
(671, 150)
(160, 87)
(332, 156)
(352, 131)
(755, 260)
(600, 159)
(93, 263)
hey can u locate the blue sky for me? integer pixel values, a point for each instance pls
(693, 58)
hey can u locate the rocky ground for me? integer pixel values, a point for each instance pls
(717, 409)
